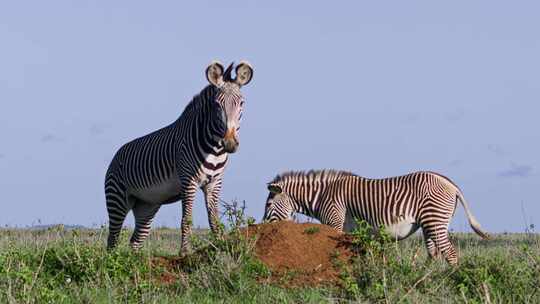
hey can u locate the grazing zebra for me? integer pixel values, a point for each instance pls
(401, 204)
(171, 163)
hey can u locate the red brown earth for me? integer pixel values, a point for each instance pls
(306, 253)
(297, 254)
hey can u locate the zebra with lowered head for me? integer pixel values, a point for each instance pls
(401, 204)
(171, 163)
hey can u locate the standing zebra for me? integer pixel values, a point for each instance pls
(171, 163)
(401, 204)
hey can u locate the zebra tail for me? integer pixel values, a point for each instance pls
(475, 225)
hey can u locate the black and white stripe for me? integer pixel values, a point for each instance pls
(171, 163)
(401, 204)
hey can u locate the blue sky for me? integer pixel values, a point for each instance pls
(377, 88)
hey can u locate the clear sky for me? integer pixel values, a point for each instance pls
(378, 88)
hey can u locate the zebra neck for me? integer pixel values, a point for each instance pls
(199, 105)
(199, 121)
(310, 205)
(203, 131)
(305, 208)
(307, 194)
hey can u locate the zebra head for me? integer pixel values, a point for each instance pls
(279, 205)
(229, 101)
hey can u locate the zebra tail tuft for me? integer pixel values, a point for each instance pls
(484, 235)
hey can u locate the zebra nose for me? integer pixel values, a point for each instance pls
(230, 142)
(230, 146)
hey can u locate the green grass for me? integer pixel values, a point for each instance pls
(72, 266)
(312, 230)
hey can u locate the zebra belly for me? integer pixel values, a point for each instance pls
(164, 193)
(399, 230)
(403, 227)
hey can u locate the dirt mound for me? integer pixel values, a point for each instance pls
(296, 254)
(301, 254)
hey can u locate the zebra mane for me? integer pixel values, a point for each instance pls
(198, 100)
(289, 176)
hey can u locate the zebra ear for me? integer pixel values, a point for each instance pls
(214, 73)
(274, 188)
(244, 73)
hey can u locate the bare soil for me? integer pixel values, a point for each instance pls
(297, 255)
(301, 254)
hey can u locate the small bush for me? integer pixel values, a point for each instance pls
(385, 270)
(312, 230)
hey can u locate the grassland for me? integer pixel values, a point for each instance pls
(72, 266)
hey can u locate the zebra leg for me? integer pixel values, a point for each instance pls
(187, 219)
(434, 222)
(431, 248)
(144, 213)
(211, 195)
(118, 206)
(451, 254)
(442, 243)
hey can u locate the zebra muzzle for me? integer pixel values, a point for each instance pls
(230, 142)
